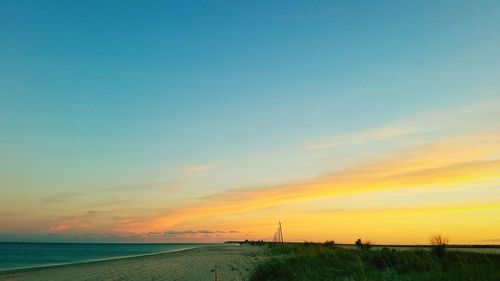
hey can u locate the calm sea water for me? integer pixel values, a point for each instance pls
(25, 255)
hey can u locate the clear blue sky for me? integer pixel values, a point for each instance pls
(97, 93)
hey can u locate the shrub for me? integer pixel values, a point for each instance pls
(439, 244)
(274, 269)
(307, 243)
(363, 245)
(329, 243)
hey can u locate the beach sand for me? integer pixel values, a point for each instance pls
(228, 262)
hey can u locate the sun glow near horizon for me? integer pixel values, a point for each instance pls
(449, 185)
(469, 172)
(439, 184)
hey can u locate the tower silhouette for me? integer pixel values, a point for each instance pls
(278, 235)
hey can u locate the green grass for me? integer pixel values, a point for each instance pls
(319, 262)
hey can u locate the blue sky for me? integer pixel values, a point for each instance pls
(99, 94)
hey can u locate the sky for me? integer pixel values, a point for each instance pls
(189, 121)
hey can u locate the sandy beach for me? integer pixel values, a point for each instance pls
(227, 262)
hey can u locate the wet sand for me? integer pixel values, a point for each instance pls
(225, 262)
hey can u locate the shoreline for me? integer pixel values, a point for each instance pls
(37, 267)
(230, 261)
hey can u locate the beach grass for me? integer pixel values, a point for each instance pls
(311, 261)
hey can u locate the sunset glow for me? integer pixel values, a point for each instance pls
(223, 119)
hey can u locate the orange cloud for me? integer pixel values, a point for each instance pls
(446, 163)
(59, 227)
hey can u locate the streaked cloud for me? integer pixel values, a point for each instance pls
(90, 220)
(482, 115)
(60, 198)
(194, 233)
(363, 137)
(450, 162)
(169, 186)
(195, 169)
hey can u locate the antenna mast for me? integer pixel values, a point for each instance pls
(278, 235)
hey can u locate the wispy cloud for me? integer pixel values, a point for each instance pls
(195, 169)
(169, 186)
(60, 198)
(85, 221)
(203, 232)
(445, 163)
(483, 114)
(363, 137)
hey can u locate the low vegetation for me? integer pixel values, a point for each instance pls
(365, 246)
(439, 244)
(325, 261)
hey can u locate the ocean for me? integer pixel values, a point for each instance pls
(26, 255)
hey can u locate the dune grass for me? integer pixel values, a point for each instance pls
(327, 262)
